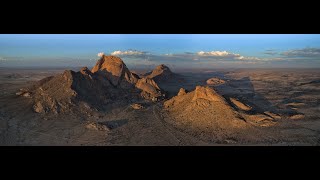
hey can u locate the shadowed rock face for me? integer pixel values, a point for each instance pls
(115, 70)
(161, 72)
(109, 81)
(64, 91)
(54, 94)
(150, 88)
(166, 79)
(85, 71)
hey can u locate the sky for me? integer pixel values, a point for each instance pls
(174, 50)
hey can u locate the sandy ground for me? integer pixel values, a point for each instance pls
(287, 90)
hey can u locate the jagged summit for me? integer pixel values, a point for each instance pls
(115, 70)
(166, 79)
(207, 93)
(161, 69)
(109, 81)
(85, 71)
(161, 72)
(119, 75)
(182, 91)
(71, 89)
(106, 62)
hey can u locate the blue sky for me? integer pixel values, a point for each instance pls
(179, 50)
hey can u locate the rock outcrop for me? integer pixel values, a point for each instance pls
(208, 94)
(96, 126)
(114, 69)
(109, 81)
(202, 99)
(207, 114)
(215, 81)
(161, 73)
(182, 92)
(240, 105)
(166, 79)
(204, 111)
(149, 88)
(137, 106)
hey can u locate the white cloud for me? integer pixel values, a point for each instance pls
(127, 53)
(226, 56)
(240, 57)
(193, 57)
(100, 54)
(218, 54)
(248, 58)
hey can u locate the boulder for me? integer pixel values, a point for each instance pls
(215, 81)
(137, 106)
(38, 108)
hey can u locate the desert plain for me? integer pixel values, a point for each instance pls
(205, 107)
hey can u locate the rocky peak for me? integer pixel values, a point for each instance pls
(115, 70)
(85, 71)
(161, 70)
(207, 93)
(181, 92)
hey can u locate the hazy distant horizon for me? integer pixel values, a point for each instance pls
(178, 51)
